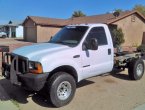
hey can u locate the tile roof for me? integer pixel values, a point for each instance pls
(14, 23)
(103, 18)
(48, 21)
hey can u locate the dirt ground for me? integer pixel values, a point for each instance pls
(107, 92)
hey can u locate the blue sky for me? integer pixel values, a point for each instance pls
(19, 9)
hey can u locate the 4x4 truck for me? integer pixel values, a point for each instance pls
(75, 53)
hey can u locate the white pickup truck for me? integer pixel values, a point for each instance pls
(75, 53)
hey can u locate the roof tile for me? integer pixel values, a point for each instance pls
(103, 18)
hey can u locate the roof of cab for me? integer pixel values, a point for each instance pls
(89, 25)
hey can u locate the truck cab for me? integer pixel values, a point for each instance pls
(98, 60)
(75, 53)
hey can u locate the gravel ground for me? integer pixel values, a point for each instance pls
(108, 92)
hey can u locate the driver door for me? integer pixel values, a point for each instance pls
(98, 61)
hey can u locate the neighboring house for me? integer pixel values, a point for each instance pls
(131, 22)
(13, 29)
(39, 29)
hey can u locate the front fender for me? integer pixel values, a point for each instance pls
(49, 66)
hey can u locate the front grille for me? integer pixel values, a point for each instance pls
(20, 64)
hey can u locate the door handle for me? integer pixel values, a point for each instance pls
(109, 51)
(76, 56)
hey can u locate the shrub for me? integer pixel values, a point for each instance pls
(118, 37)
(141, 48)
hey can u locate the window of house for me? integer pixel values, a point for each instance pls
(99, 34)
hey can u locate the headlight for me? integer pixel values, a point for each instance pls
(35, 67)
(31, 65)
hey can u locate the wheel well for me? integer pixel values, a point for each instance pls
(68, 69)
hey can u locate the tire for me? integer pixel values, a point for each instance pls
(61, 89)
(4, 36)
(136, 69)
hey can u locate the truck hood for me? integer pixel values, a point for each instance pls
(36, 51)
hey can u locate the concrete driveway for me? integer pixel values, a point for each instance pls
(108, 92)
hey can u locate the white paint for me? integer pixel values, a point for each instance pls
(19, 31)
(52, 56)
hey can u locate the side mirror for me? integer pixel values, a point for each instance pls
(85, 46)
(93, 44)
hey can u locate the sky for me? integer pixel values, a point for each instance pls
(17, 10)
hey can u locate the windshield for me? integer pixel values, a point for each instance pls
(70, 35)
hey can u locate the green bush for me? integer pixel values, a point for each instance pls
(141, 48)
(118, 37)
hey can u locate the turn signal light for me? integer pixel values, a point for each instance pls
(38, 69)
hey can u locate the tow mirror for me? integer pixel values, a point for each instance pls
(93, 44)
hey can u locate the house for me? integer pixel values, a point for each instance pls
(13, 29)
(39, 29)
(132, 24)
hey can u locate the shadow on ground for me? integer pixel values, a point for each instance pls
(20, 40)
(10, 92)
(120, 75)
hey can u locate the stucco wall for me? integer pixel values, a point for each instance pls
(30, 31)
(44, 33)
(133, 31)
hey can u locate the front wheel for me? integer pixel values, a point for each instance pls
(136, 69)
(62, 87)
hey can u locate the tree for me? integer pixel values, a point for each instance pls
(118, 10)
(78, 14)
(140, 8)
(118, 37)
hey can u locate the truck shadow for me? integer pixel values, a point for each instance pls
(10, 92)
(84, 83)
(41, 100)
(120, 75)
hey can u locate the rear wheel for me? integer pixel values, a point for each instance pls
(136, 69)
(62, 88)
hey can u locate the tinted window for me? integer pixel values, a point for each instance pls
(70, 35)
(99, 34)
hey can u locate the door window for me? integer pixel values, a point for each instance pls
(99, 34)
